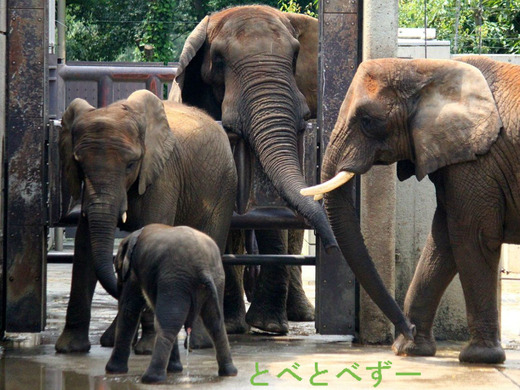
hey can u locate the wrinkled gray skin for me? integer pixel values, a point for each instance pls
(178, 272)
(155, 161)
(255, 68)
(458, 122)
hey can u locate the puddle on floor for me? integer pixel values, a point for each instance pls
(24, 374)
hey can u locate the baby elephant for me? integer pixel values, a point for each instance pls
(178, 272)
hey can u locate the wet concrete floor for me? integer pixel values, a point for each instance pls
(300, 360)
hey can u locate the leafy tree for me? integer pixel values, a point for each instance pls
(472, 26)
(301, 7)
(119, 30)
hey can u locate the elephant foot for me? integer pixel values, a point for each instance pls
(73, 341)
(228, 369)
(108, 337)
(299, 309)
(268, 321)
(236, 325)
(420, 346)
(487, 352)
(174, 367)
(153, 377)
(145, 344)
(114, 367)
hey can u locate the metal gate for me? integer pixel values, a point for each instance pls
(32, 149)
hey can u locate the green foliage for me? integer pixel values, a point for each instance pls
(484, 26)
(119, 30)
(300, 7)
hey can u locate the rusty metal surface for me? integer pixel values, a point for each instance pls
(103, 83)
(338, 59)
(25, 219)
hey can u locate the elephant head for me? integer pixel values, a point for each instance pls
(255, 69)
(123, 259)
(426, 114)
(107, 150)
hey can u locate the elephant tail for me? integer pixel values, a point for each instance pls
(205, 291)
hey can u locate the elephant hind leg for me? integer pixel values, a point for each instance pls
(234, 305)
(145, 344)
(171, 311)
(476, 221)
(213, 319)
(478, 265)
(434, 272)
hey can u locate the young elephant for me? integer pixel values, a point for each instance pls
(179, 273)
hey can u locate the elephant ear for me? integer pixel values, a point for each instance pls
(307, 32)
(159, 142)
(123, 259)
(69, 165)
(456, 118)
(188, 86)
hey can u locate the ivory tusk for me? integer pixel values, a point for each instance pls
(123, 217)
(320, 189)
(318, 197)
(76, 157)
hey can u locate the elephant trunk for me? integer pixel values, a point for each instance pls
(102, 220)
(274, 116)
(345, 224)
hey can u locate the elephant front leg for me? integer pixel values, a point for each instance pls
(268, 309)
(175, 365)
(130, 307)
(434, 272)
(74, 337)
(145, 344)
(234, 305)
(299, 308)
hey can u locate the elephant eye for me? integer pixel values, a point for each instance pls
(130, 166)
(373, 127)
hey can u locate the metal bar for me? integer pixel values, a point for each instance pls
(61, 30)
(3, 77)
(228, 259)
(268, 259)
(26, 136)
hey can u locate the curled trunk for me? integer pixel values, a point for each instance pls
(274, 116)
(345, 224)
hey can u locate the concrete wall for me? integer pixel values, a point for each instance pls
(414, 213)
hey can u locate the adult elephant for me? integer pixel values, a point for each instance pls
(136, 162)
(459, 123)
(255, 69)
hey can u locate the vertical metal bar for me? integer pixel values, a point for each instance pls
(3, 31)
(61, 31)
(339, 55)
(26, 133)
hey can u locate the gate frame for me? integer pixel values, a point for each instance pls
(26, 207)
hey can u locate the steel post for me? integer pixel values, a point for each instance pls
(339, 55)
(25, 195)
